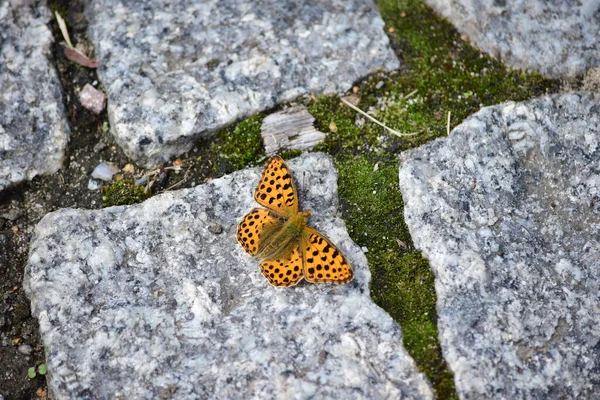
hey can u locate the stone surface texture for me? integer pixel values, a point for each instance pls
(158, 300)
(290, 129)
(175, 71)
(558, 38)
(507, 210)
(33, 127)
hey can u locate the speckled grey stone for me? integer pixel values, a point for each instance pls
(507, 210)
(151, 300)
(558, 38)
(175, 71)
(33, 127)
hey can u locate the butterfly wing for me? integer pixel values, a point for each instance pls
(322, 261)
(251, 230)
(276, 190)
(285, 272)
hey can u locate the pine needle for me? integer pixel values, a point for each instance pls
(63, 29)
(358, 110)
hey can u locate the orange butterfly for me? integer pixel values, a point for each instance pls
(287, 248)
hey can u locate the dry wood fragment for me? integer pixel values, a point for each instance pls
(290, 129)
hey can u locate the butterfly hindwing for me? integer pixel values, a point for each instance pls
(253, 226)
(322, 261)
(276, 190)
(286, 271)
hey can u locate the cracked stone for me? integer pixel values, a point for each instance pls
(33, 127)
(178, 71)
(149, 301)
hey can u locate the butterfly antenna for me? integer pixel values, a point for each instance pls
(304, 191)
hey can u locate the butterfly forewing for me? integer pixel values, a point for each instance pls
(276, 189)
(251, 230)
(322, 261)
(286, 271)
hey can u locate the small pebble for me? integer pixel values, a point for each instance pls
(93, 185)
(128, 168)
(25, 349)
(379, 85)
(215, 228)
(99, 147)
(105, 171)
(92, 99)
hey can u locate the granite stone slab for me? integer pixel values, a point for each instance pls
(558, 38)
(179, 70)
(507, 210)
(158, 300)
(33, 127)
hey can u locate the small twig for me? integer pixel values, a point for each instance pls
(358, 110)
(157, 171)
(410, 94)
(185, 176)
(401, 244)
(448, 125)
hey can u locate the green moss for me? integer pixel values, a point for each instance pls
(286, 155)
(448, 74)
(402, 282)
(230, 149)
(241, 145)
(345, 138)
(123, 192)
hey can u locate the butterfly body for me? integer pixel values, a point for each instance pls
(288, 249)
(278, 239)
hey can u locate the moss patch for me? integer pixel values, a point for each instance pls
(122, 192)
(441, 73)
(241, 145)
(402, 282)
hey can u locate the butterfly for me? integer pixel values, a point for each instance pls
(287, 248)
